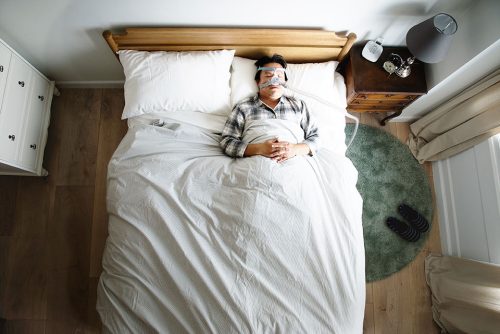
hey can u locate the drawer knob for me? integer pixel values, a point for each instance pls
(33, 146)
(41, 98)
(1, 68)
(21, 83)
(12, 137)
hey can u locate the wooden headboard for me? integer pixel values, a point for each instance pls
(295, 45)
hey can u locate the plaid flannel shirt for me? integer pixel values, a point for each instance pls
(252, 108)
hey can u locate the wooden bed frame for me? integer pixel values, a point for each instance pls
(295, 45)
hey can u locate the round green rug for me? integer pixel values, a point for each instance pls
(388, 176)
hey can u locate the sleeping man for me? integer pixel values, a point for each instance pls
(270, 124)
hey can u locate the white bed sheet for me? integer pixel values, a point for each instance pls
(202, 243)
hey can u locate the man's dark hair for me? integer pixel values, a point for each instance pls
(275, 58)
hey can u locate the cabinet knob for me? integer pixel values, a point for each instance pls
(33, 146)
(21, 83)
(41, 98)
(1, 68)
(12, 137)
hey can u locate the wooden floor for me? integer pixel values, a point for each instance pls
(53, 229)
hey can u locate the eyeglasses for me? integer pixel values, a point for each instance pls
(269, 72)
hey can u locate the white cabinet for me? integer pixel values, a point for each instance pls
(4, 68)
(25, 99)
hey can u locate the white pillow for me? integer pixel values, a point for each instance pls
(316, 79)
(242, 79)
(176, 81)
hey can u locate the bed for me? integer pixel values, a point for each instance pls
(203, 243)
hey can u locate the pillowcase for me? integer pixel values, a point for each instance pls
(176, 81)
(242, 79)
(316, 79)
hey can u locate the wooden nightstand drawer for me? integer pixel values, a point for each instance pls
(370, 99)
(404, 97)
(379, 102)
(389, 103)
(373, 108)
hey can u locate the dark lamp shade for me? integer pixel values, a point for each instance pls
(430, 40)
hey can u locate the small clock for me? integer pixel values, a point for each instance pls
(393, 62)
(389, 67)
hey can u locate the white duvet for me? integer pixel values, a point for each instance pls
(202, 243)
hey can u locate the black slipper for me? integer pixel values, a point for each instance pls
(404, 230)
(415, 219)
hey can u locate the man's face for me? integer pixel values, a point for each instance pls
(273, 91)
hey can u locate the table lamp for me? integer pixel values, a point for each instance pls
(427, 41)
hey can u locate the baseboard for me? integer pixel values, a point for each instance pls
(404, 119)
(90, 84)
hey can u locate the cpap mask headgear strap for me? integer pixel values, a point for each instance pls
(274, 73)
(272, 69)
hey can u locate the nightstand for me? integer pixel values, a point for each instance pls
(371, 89)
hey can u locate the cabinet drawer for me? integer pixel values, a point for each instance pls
(389, 103)
(14, 105)
(373, 108)
(399, 97)
(34, 122)
(380, 102)
(5, 56)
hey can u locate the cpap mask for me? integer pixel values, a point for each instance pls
(276, 75)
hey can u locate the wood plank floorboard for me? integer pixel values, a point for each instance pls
(8, 197)
(53, 230)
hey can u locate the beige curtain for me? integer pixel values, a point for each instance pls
(464, 121)
(465, 294)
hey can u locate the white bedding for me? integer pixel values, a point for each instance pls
(202, 243)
